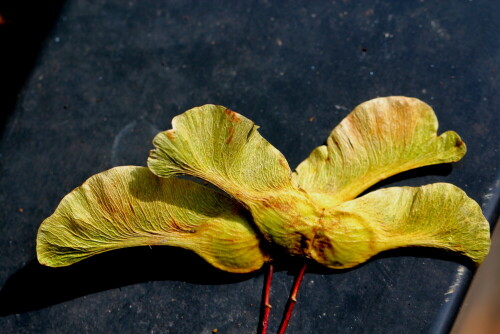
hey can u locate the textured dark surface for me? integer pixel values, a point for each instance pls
(113, 73)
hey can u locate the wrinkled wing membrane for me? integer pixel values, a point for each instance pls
(222, 147)
(129, 206)
(380, 138)
(437, 215)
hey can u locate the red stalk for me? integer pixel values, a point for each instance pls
(265, 306)
(292, 300)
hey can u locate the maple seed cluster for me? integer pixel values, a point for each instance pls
(313, 212)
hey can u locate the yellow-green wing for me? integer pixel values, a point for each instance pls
(130, 206)
(380, 138)
(222, 147)
(436, 215)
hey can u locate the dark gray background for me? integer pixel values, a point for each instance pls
(110, 74)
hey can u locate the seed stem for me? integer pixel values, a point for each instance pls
(292, 300)
(265, 306)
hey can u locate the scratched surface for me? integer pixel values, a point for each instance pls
(112, 73)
